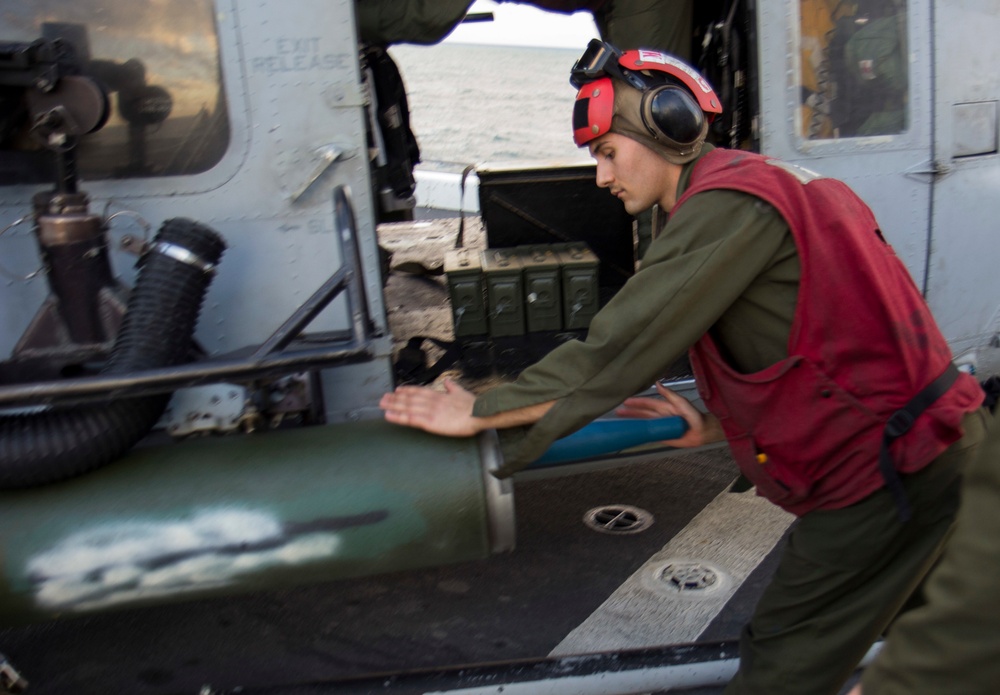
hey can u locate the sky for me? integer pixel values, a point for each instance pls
(522, 25)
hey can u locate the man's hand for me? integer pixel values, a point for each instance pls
(447, 412)
(703, 428)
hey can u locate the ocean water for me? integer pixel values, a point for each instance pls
(474, 104)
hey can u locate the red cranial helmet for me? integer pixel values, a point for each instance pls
(677, 102)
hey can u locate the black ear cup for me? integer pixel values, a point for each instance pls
(673, 116)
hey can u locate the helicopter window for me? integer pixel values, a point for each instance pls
(853, 71)
(158, 61)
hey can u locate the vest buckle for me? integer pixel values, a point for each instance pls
(900, 423)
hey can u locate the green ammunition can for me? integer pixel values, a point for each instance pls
(542, 288)
(504, 291)
(464, 271)
(579, 267)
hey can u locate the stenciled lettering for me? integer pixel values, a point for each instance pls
(297, 54)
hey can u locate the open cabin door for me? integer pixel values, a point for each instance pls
(846, 92)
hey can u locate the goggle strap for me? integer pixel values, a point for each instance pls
(581, 114)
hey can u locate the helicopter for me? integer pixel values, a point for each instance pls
(195, 197)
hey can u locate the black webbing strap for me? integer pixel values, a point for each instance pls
(899, 424)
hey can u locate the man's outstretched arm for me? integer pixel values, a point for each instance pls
(449, 412)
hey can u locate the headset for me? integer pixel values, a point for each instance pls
(677, 103)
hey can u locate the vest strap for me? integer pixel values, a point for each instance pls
(899, 424)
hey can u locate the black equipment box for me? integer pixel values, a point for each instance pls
(523, 204)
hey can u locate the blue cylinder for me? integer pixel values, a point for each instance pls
(603, 437)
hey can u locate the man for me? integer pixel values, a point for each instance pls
(814, 352)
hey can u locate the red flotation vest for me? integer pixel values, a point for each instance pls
(868, 370)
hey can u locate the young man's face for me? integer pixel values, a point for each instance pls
(634, 174)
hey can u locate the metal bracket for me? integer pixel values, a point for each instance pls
(925, 170)
(129, 243)
(326, 156)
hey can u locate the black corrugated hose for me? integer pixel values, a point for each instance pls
(157, 331)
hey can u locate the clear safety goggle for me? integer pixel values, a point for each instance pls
(602, 60)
